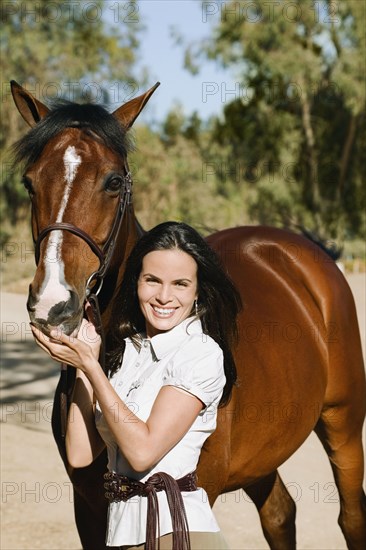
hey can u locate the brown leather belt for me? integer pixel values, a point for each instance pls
(123, 488)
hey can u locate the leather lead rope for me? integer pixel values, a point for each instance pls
(63, 399)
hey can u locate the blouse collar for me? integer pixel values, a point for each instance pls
(165, 342)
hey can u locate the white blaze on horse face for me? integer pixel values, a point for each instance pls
(54, 287)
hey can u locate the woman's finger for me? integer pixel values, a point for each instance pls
(43, 346)
(63, 339)
(38, 334)
(51, 345)
(68, 349)
(47, 346)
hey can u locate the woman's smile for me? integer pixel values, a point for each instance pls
(164, 312)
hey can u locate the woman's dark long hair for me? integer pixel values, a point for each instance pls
(218, 300)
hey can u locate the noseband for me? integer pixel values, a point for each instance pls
(106, 252)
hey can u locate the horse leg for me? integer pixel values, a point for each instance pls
(340, 431)
(277, 511)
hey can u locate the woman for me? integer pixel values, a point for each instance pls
(170, 368)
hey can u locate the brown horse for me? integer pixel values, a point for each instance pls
(299, 357)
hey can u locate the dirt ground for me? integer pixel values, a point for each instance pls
(36, 507)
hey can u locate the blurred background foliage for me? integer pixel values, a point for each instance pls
(288, 151)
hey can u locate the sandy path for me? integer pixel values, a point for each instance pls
(36, 494)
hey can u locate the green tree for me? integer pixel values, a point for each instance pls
(177, 124)
(81, 51)
(173, 124)
(301, 107)
(174, 181)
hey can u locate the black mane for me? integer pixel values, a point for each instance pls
(94, 119)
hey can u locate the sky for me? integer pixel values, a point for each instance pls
(205, 92)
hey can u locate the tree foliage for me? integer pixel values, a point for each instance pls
(289, 149)
(176, 179)
(299, 120)
(62, 49)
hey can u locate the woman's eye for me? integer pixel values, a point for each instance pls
(150, 280)
(181, 283)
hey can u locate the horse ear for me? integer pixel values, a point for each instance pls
(28, 106)
(127, 113)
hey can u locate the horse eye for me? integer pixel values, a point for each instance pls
(113, 184)
(27, 182)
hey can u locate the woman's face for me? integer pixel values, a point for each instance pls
(167, 289)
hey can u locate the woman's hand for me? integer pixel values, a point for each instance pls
(81, 352)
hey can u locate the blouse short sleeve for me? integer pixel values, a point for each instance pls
(198, 368)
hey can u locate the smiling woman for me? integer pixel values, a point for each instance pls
(170, 370)
(190, 280)
(167, 289)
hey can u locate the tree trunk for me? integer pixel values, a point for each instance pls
(312, 157)
(346, 154)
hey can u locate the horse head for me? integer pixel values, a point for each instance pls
(78, 180)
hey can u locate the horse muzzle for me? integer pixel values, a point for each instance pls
(49, 312)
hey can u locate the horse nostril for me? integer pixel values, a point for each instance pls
(73, 302)
(31, 302)
(58, 309)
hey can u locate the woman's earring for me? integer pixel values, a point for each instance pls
(196, 307)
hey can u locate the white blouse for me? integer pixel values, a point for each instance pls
(186, 358)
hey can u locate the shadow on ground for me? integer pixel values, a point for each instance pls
(27, 373)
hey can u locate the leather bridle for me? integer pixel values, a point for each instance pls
(105, 253)
(95, 280)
